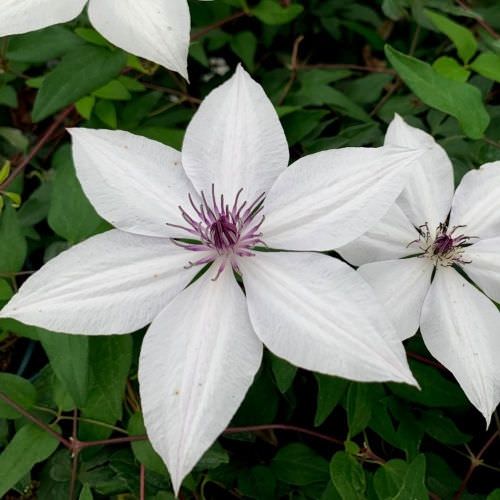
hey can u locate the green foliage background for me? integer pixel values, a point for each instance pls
(337, 71)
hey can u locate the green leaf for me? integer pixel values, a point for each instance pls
(5, 290)
(284, 373)
(244, 45)
(13, 247)
(4, 171)
(110, 358)
(347, 476)
(442, 429)
(389, 478)
(106, 112)
(8, 96)
(271, 12)
(494, 495)
(461, 37)
(79, 73)
(487, 64)
(258, 483)
(414, 481)
(68, 356)
(436, 391)
(14, 137)
(441, 478)
(113, 91)
(299, 465)
(29, 446)
(19, 390)
(86, 493)
(330, 391)
(449, 68)
(71, 215)
(42, 45)
(85, 105)
(359, 402)
(143, 451)
(461, 100)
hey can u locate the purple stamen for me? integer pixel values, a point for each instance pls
(228, 233)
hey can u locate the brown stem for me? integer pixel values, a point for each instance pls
(175, 92)
(475, 461)
(35, 420)
(354, 67)
(218, 24)
(293, 68)
(426, 361)
(480, 20)
(284, 427)
(75, 454)
(38, 146)
(142, 483)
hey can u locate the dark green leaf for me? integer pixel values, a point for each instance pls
(43, 45)
(29, 446)
(414, 482)
(299, 465)
(80, 72)
(258, 483)
(68, 356)
(271, 12)
(347, 476)
(13, 247)
(330, 391)
(283, 372)
(487, 64)
(244, 45)
(389, 478)
(461, 100)
(70, 215)
(20, 390)
(442, 429)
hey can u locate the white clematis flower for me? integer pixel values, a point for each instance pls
(204, 345)
(157, 30)
(413, 255)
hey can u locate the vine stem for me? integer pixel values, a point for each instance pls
(46, 137)
(218, 24)
(475, 461)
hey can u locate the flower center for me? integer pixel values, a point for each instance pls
(444, 247)
(225, 231)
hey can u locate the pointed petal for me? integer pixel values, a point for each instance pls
(134, 183)
(319, 314)
(477, 202)
(401, 286)
(328, 199)
(484, 267)
(388, 239)
(21, 16)
(427, 196)
(198, 359)
(459, 326)
(157, 30)
(114, 282)
(235, 140)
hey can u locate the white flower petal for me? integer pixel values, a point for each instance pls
(134, 183)
(157, 30)
(477, 202)
(427, 196)
(235, 140)
(460, 327)
(484, 268)
(21, 16)
(198, 359)
(388, 239)
(114, 282)
(326, 200)
(401, 286)
(319, 314)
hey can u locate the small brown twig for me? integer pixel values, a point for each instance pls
(425, 360)
(354, 67)
(46, 137)
(167, 90)
(475, 461)
(293, 69)
(74, 457)
(218, 24)
(479, 20)
(142, 482)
